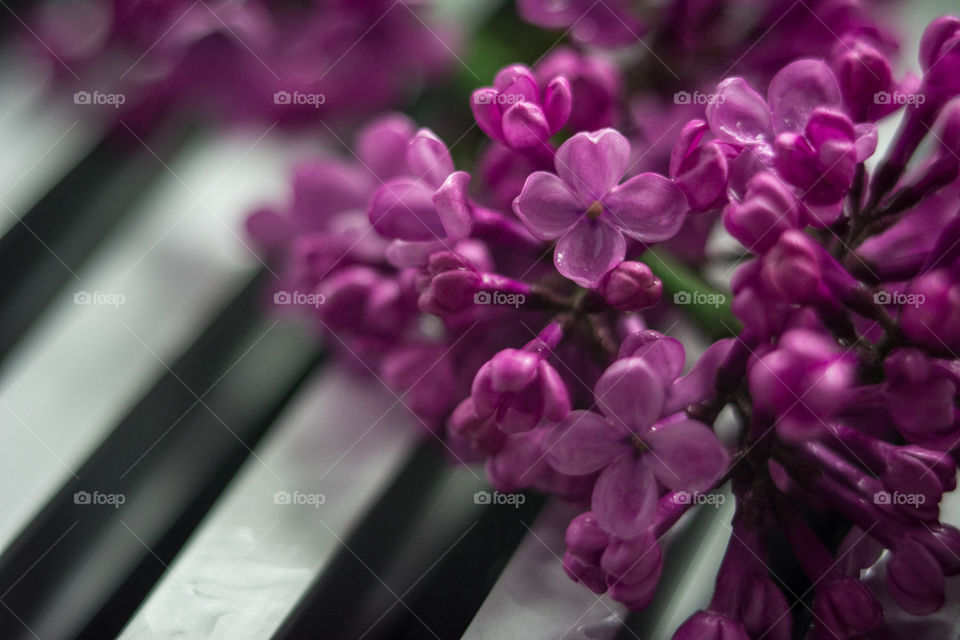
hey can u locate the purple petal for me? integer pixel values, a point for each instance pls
(866, 140)
(524, 125)
(547, 206)
(428, 158)
(584, 442)
(403, 209)
(486, 111)
(588, 250)
(686, 455)
(592, 163)
(703, 176)
(383, 144)
(739, 114)
(647, 207)
(699, 383)
(556, 400)
(557, 103)
(799, 88)
(517, 80)
(630, 393)
(625, 497)
(665, 355)
(687, 141)
(403, 254)
(451, 204)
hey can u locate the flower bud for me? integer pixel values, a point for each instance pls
(915, 579)
(708, 625)
(630, 286)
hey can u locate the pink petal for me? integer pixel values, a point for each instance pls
(547, 206)
(866, 140)
(517, 80)
(556, 399)
(739, 114)
(428, 158)
(592, 163)
(588, 250)
(664, 355)
(687, 141)
(583, 442)
(557, 103)
(524, 125)
(699, 383)
(799, 88)
(451, 204)
(703, 176)
(382, 145)
(686, 455)
(403, 254)
(625, 497)
(630, 393)
(403, 209)
(647, 207)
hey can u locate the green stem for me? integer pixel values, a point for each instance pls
(686, 290)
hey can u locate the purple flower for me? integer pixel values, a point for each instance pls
(633, 449)
(583, 207)
(800, 129)
(710, 625)
(595, 84)
(520, 388)
(426, 209)
(768, 209)
(516, 113)
(801, 383)
(604, 24)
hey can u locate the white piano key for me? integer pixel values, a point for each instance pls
(44, 134)
(81, 366)
(534, 598)
(260, 547)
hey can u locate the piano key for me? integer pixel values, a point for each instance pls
(535, 599)
(83, 365)
(256, 552)
(50, 242)
(44, 136)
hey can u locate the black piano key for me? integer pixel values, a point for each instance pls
(80, 570)
(57, 234)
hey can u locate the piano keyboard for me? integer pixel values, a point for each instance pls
(177, 463)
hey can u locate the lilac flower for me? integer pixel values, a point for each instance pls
(516, 113)
(800, 129)
(801, 383)
(606, 24)
(594, 86)
(425, 209)
(588, 213)
(634, 449)
(520, 387)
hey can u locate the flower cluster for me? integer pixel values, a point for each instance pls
(838, 364)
